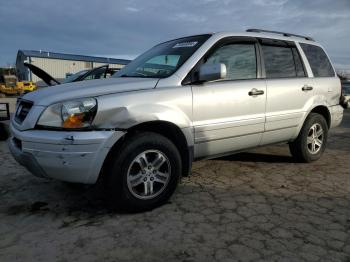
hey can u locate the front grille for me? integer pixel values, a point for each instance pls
(22, 110)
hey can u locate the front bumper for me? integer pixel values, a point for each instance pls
(67, 156)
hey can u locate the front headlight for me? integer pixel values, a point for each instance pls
(73, 114)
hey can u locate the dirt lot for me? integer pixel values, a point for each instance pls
(252, 206)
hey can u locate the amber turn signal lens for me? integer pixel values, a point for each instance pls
(74, 121)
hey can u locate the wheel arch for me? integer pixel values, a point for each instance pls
(319, 109)
(182, 139)
(323, 111)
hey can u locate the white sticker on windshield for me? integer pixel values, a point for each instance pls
(185, 44)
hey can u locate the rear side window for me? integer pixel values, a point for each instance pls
(282, 62)
(318, 60)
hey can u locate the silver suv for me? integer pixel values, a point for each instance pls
(190, 98)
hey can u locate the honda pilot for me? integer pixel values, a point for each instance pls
(191, 98)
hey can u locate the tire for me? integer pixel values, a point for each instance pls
(307, 148)
(138, 185)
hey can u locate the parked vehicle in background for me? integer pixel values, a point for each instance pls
(346, 93)
(186, 99)
(96, 73)
(26, 86)
(9, 85)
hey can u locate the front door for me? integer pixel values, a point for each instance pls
(229, 114)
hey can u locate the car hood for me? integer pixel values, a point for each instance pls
(48, 79)
(90, 88)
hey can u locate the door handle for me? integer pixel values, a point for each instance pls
(307, 88)
(256, 92)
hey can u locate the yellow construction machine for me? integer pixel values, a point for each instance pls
(9, 85)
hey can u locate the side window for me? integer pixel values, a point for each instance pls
(279, 61)
(240, 60)
(318, 60)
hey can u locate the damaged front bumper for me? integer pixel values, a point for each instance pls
(64, 155)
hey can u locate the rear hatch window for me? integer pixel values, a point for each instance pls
(318, 60)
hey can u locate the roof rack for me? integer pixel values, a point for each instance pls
(280, 33)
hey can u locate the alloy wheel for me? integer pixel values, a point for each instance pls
(315, 138)
(148, 174)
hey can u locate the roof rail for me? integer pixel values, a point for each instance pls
(280, 33)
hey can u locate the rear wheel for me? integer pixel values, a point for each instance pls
(144, 173)
(311, 142)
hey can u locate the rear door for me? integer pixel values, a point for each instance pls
(326, 83)
(229, 114)
(289, 90)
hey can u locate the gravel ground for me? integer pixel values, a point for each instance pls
(252, 206)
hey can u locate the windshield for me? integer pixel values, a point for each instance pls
(71, 78)
(164, 59)
(96, 73)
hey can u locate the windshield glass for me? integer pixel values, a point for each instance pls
(71, 78)
(95, 73)
(164, 59)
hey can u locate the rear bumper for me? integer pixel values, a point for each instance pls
(336, 112)
(344, 101)
(67, 156)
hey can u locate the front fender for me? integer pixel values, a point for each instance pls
(126, 117)
(125, 110)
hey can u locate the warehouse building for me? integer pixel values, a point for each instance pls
(60, 65)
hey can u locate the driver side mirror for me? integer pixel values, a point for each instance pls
(211, 72)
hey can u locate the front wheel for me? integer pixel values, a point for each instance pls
(145, 172)
(311, 142)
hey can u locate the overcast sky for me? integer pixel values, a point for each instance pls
(127, 28)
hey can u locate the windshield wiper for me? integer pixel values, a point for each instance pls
(125, 75)
(138, 76)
